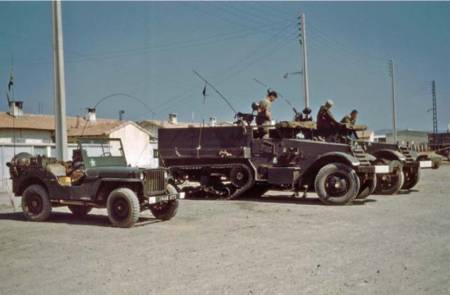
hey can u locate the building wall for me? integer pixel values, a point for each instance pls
(136, 145)
(25, 136)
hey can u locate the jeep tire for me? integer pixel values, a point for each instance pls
(36, 205)
(166, 210)
(123, 207)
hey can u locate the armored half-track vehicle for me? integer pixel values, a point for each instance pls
(235, 161)
(97, 176)
(405, 166)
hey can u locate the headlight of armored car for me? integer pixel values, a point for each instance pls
(141, 175)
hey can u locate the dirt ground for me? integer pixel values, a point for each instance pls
(386, 245)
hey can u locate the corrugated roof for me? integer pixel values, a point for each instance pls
(76, 126)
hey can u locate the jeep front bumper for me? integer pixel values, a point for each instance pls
(165, 198)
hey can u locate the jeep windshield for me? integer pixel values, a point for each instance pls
(102, 153)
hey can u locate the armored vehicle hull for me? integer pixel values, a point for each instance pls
(232, 162)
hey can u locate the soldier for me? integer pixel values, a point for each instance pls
(326, 124)
(264, 116)
(304, 116)
(350, 119)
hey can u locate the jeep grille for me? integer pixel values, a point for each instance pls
(155, 182)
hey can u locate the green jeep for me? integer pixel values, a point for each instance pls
(97, 177)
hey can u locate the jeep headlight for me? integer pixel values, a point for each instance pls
(166, 175)
(141, 175)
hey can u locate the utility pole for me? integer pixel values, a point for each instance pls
(394, 112)
(435, 120)
(302, 40)
(60, 86)
(121, 113)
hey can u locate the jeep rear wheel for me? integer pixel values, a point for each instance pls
(80, 211)
(336, 184)
(123, 207)
(36, 205)
(166, 210)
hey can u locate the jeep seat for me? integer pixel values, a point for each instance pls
(56, 169)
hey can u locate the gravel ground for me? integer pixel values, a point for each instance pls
(385, 245)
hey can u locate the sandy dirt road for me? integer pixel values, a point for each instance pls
(386, 245)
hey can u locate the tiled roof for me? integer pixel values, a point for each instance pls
(76, 126)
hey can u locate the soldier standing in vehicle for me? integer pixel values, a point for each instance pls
(264, 116)
(326, 124)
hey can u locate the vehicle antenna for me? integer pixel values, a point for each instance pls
(217, 91)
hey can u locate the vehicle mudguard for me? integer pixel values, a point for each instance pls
(349, 159)
(390, 155)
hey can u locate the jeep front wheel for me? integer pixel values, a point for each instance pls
(336, 184)
(167, 210)
(36, 205)
(123, 207)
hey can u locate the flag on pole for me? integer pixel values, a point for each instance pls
(204, 94)
(11, 82)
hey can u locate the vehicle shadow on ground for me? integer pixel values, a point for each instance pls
(284, 199)
(407, 192)
(67, 218)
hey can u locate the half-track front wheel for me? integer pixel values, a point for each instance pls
(166, 211)
(336, 184)
(123, 207)
(390, 184)
(367, 188)
(411, 179)
(36, 205)
(79, 211)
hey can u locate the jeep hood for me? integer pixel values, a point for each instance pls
(113, 172)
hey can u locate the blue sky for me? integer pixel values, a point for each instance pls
(149, 49)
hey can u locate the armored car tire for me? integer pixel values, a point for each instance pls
(167, 210)
(336, 184)
(36, 205)
(411, 179)
(391, 184)
(367, 188)
(123, 207)
(79, 211)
